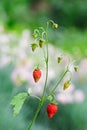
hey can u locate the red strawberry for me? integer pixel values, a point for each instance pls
(51, 110)
(37, 75)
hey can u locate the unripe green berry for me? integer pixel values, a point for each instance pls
(41, 43)
(34, 46)
(66, 84)
(76, 69)
(55, 25)
(35, 35)
(59, 59)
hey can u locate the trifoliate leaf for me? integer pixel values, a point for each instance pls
(18, 101)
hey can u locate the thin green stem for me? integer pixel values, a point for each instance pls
(36, 31)
(36, 97)
(53, 90)
(42, 99)
(35, 116)
(43, 35)
(46, 61)
(50, 21)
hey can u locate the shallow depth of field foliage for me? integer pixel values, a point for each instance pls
(17, 16)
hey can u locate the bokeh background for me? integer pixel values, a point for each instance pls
(18, 18)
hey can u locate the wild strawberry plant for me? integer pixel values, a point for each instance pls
(41, 41)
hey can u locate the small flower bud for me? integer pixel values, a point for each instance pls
(35, 35)
(66, 84)
(34, 46)
(55, 25)
(59, 59)
(76, 69)
(41, 43)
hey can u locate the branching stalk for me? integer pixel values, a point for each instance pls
(63, 75)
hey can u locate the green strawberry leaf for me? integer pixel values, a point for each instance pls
(18, 101)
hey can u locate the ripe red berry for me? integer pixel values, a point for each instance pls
(37, 75)
(51, 110)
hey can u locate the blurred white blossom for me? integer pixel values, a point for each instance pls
(83, 68)
(78, 96)
(4, 60)
(70, 95)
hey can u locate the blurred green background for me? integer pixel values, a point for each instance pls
(71, 37)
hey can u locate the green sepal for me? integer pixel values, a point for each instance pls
(54, 102)
(50, 98)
